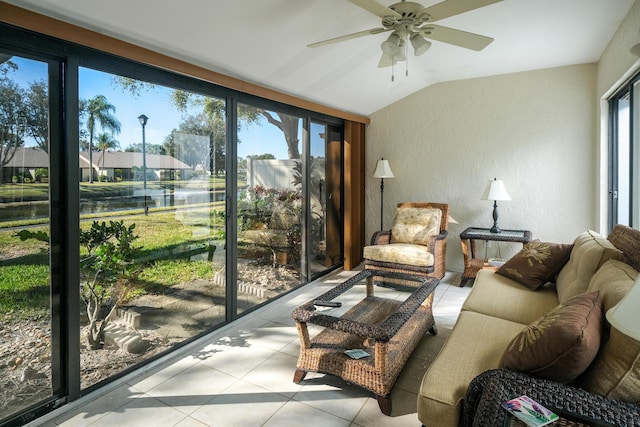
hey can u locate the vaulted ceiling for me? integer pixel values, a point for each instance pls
(265, 41)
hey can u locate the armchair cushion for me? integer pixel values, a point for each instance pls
(400, 253)
(415, 225)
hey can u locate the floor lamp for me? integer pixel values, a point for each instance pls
(383, 170)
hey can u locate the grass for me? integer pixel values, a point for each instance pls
(164, 235)
(24, 265)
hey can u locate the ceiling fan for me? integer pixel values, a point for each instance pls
(410, 22)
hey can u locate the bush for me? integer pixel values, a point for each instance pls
(42, 174)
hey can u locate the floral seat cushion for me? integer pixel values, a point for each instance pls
(400, 253)
(415, 225)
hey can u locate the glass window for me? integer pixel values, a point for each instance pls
(624, 186)
(27, 362)
(145, 255)
(270, 204)
(152, 210)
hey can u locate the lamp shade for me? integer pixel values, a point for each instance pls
(420, 44)
(391, 45)
(495, 191)
(383, 170)
(625, 316)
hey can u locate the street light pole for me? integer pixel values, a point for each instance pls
(143, 121)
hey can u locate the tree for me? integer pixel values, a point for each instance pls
(38, 113)
(107, 272)
(13, 120)
(99, 111)
(289, 127)
(149, 149)
(106, 141)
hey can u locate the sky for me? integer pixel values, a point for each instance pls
(156, 104)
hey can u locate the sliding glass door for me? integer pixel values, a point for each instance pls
(141, 210)
(30, 344)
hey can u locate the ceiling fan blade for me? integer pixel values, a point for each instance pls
(455, 37)
(385, 61)
(449, 8)
(349, 36)
(376, 8)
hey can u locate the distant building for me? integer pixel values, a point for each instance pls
(123, 165)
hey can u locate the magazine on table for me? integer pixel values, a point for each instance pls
(529, 411)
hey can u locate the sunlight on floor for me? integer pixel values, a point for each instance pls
(242, 375)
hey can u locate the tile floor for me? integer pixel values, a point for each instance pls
(241, 375)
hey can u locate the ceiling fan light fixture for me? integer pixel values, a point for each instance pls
(401, 54)
(420, 44)
(391, 45)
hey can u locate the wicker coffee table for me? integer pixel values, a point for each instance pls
(387, 329)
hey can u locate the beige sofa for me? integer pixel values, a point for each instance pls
(499, 308)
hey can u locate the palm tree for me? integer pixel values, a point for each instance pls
(99, 111)
(104, 142)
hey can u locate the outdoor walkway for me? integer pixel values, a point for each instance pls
(241, 375)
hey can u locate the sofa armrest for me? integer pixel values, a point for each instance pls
(381, 237)
(487, 392)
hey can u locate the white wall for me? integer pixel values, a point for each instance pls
(535, 130)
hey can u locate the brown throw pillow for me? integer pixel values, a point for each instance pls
(562, 344)
(537, 263)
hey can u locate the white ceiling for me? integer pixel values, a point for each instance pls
(265, 41)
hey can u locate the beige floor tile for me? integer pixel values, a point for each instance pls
(192, 388)
(296, 414)
(243, 404)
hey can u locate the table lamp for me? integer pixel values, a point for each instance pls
(495, 191)
(383, 170)
(625, 316)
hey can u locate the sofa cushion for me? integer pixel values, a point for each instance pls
(615, 372)
(464, 355)
(401, 253)
(499, 296)
(590, 251)
(614, 279)
(561, 345)
(536, 264)
(415, 225)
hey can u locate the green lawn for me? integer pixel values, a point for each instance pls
(24, 265)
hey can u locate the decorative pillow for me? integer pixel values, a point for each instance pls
(415, 225)
(536, 264)
(590, 251)
(616, 371)
(560, 345)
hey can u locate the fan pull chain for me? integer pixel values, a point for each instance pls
(406, 64)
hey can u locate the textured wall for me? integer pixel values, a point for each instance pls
(535, 130)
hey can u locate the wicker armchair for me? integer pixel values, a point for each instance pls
(576, 407)
(423, 253)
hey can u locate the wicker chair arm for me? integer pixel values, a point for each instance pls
(381, 237)
(434, 239)
(487, 392)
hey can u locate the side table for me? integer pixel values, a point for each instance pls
(473, 263)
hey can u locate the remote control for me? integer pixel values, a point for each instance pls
(321, 303)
